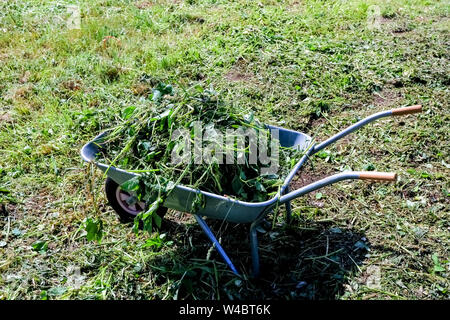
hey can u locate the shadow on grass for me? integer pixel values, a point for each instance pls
(312, 262)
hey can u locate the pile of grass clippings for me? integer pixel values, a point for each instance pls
(145, 142)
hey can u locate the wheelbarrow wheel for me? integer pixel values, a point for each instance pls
(117, 198)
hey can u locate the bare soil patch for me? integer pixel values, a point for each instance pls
(387, 98)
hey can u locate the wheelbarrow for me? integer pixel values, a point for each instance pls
(220, 207)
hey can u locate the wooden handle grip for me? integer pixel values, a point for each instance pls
(373, 175)
(407, 110)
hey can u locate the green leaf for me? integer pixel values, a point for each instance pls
(323, 154)
(40, 246)
(127, 112)
(56, 291)
(259, 186)
(149, 216)
(199, 88)
(156, 95)
(164, 88)
(361, 245)
(437, 264)
(43, 295)
(131, 185)
(242, 175)
(237, 185)
(198, 203)
(146, 146)
(425, 175)
(155, 242)
(157, 219)
(439, 269)
(161, 90)
(3, 190)
(94, 229)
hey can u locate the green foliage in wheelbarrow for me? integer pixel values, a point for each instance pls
(144, 142)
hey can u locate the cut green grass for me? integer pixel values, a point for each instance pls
(313, 66)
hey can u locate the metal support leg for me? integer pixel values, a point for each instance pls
(288, 208)
(216, 243)
(254, 249)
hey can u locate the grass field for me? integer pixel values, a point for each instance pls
(313, 66)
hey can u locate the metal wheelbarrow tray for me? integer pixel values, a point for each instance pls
(232, 210)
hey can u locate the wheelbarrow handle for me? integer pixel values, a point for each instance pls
(381, 176)
(407, 110)
(363, 122)
(363, 175)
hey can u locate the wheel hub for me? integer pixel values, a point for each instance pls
(125, 201)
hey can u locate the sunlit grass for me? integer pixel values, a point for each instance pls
(312, 66)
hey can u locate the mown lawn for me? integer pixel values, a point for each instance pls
(313, 66)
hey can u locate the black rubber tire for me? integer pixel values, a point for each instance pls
(111, 190)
